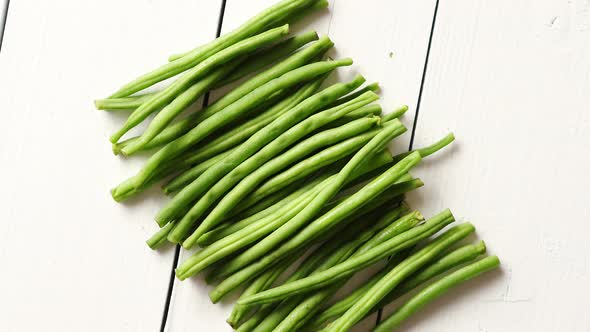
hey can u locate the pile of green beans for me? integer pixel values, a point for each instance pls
(287, 183)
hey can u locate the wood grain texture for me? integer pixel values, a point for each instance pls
(388, 41)
(511, 79)
(72, 259)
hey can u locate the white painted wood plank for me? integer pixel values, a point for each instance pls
(73, 259)
(388, 41)
(3, 10)
(511, 79)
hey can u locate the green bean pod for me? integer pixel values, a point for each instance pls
(271, 131)
(268, 56)
(435, 290)
(270, 17)
(241, 107)
(394, 277)
(350, 266)
(123, 104)
(183, 83)
(428, 150)
(263, 168)
(159, 238)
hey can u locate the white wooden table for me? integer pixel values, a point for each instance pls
(510, 78)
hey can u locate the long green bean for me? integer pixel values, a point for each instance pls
(268, 56)
(176, 89)
(193, 191)
(126, 104)
(245, 104)
(455, 258)
(428, 150)
(350, 266)
(263, 167)
(395, 113)
(435, 290)
(399, 273)
(270, 17)
(159, 238)
(307, 166)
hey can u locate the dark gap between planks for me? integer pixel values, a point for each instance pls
(177, 249)
(4, 18)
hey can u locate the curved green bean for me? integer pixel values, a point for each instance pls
(245, 104)
(270, 17)
(193, 191)
(437, 289)
(176, 89)
(369, 87)
(263, 168)
(325, 221)
(125, 104)
(399, 273)
(350, 266)
(159, 238)
(268, 56)
(307, 166)
(395, 113)
(428, 150)
(453, 259)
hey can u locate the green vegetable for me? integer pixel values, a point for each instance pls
(326, 221)
(272, 16)
(350, 266)
(126, 103)
(241, 107)
(259, 167)
(268, 56)
(427, 151)
(396, 113)
(447, 262)
(435, 290)
(159, 238)
(386, 284)
(193, 191)
(177, 91)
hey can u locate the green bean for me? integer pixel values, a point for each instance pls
(350, 266)
(437, 289)
(262, 282)
(127, 188)
(309, 165)
(250, 147)
(232, 227)
(457, 257)
(245, 104)
(427, 151)
(392, 279)
(369, 110)
(396, 113)
(268, 18)
(126, 104)
(338, 213)
(327, 220)
(268, 56)
(374, 236)
(178, 90)
(178, 128)
(264, 168)
(370, 87)
(159, 238)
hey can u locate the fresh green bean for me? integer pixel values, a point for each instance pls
(307, 166)
(427, 151)
(457, 257)
(373, 109)
(370, 87)
(221, 232)
(396, 113)
(399, 273)
(126, 104)
(191, 192)
(263, 168)
(245, 104)
(268, 56)
(303, 311)
(350, 266)
(127, 189)
(435, 290)
(180, 127)
(328, 220)
(159, 238)
(268, 18)
(176, 91)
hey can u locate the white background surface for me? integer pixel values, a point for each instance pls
(510, 78)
